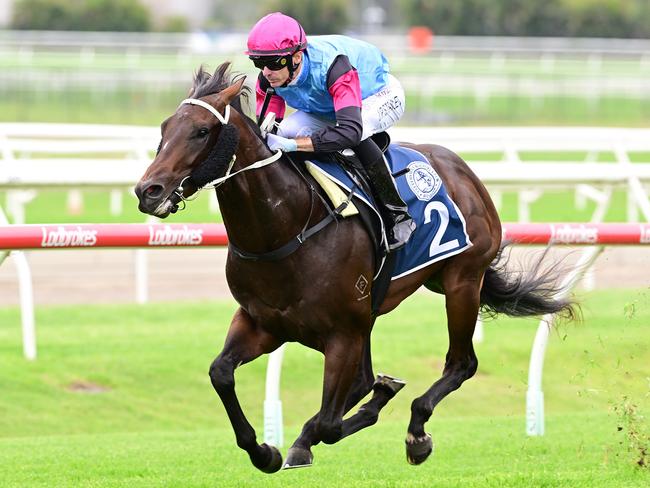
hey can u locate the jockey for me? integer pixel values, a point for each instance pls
(342, 92)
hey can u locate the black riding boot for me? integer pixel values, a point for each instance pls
(399, 224)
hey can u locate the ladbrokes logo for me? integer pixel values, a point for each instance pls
(574, 234)
(62, 237)
(175, 237)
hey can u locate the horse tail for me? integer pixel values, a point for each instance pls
(525, 293)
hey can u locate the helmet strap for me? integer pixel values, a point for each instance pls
(292, 69)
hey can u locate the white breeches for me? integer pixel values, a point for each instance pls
(378, 112)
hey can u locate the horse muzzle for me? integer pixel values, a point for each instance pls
(154, 199)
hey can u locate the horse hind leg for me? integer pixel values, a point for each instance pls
(384, 389)
(244, 343)
(462, 303)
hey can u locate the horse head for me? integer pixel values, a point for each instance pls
(198, 143)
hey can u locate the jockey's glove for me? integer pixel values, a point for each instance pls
(282, 143)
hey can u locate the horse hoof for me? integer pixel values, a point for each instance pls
(275, 463)
(390, 383)
(418, 449)
(298, 457)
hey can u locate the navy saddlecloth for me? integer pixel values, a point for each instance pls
(441, 230)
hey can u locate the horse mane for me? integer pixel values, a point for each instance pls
(208, 84)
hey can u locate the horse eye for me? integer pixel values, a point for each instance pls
(203, 131)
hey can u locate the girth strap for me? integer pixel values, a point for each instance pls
(291, 246)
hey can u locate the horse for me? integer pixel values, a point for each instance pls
(293, 289)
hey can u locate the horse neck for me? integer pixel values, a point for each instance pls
(262, 208)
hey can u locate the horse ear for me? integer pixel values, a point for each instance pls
(227, 94)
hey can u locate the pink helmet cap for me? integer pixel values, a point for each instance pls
(276, 34)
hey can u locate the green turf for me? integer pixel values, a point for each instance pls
(158, 422)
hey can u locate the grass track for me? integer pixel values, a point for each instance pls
(160, 424)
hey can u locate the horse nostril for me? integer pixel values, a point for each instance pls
(153, 192)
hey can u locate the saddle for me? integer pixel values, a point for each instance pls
(384, 262)
(350, 162)
(441, 226)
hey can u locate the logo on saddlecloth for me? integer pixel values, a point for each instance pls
(423, 180)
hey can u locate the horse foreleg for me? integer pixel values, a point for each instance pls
(462, 303)
(299, 454)
(347, 379)
(384, 388)
(244, 342)
(342, 359)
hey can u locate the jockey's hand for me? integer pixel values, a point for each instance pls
(282, 143)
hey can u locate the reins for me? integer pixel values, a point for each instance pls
(218, 181)
(303, 235)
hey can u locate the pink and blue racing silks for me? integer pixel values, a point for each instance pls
(337, 73)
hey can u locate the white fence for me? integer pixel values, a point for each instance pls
(74, 155)
(39, 156)
(104, 156)
(592, 180)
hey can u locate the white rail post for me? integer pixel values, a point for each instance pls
(75, 202)
(26, 304)
(602, 199)
(273, 429)
(535, 395)
(141, 265)
(26, 296)
(634, 184)
(115, 202)
(141, 269)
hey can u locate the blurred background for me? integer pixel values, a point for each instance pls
(469, 62)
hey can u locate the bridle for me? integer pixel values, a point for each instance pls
(306, 232)
(218, 181)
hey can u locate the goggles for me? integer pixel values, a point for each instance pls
(272, 63)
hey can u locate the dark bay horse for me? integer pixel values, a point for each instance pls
(311, 295)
